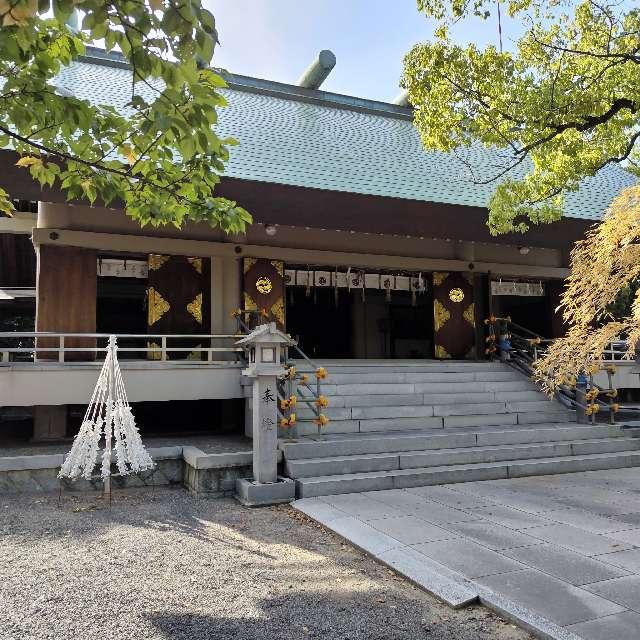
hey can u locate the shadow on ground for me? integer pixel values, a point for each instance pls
(335, 617)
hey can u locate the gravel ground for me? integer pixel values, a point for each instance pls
(161, 564)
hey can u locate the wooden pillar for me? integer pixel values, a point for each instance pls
(482, 294)
(66, 289)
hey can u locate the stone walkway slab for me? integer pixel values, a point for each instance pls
(576, 539)
(492, 535)
(624, 591)
(629, 560)
(510, 517)
(564, 564)
(620, 626)
(468, 558)
(555, 599)
(559, 555)
(410, 530)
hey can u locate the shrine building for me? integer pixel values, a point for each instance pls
(364, 246)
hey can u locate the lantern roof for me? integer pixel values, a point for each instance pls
(266, 333)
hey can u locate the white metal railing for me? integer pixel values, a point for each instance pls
(27, 346)
(616, 351)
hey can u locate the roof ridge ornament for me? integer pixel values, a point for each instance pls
(318, 71)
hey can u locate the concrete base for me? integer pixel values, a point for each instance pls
(252, 494)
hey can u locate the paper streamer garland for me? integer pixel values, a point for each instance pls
(108, 415)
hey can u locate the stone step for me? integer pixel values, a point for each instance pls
(468, 421)
(478, 420)
(374, 400)
(482, 397)
(405, 478)
(536, 417)
(327, 445)
(376, 376)
(544, 404)
(427, 410)
(390, 366)
(340, 465)
(403, 423)
(409, 388)
(368, 425)
(335, 427)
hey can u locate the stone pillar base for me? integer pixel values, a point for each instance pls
(253, 494)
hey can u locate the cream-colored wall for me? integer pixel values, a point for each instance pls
(225, 293)
(625, 377)
(21, 222)
(22, 385)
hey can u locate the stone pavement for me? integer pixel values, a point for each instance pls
(560, 554)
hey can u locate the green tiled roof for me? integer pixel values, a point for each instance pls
(308, 138)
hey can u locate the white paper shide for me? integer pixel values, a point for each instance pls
(108, 417)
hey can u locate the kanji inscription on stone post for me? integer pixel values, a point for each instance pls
(265, 431)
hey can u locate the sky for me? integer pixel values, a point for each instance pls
(278, 39)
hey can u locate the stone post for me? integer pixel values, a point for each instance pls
(263, 347)
(265, 427)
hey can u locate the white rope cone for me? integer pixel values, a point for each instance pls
(108, 415)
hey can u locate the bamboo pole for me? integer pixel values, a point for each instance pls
(109, 418)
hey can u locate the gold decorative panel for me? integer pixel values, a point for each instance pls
(440, 352)
(196, 263)
(249, 304)
(470, 314)
(453, 313)
(196, 354)
(158, 306)
(439, 277)
(195, 308)
(277, 311)
(178, 297)
(264, 289)
(156, 354)
(248, 263)
(440, 315)
(156, 261)
(264, 285)
(278, 265)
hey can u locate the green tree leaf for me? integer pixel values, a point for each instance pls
(559, 107)
(162, 157)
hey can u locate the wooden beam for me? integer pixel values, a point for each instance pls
(174, 246)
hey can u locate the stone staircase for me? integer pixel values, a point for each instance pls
(407, 424)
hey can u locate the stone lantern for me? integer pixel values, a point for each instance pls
(264, 347)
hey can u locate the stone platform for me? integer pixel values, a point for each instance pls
(205, 465)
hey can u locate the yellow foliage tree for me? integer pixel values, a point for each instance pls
(602, 265)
